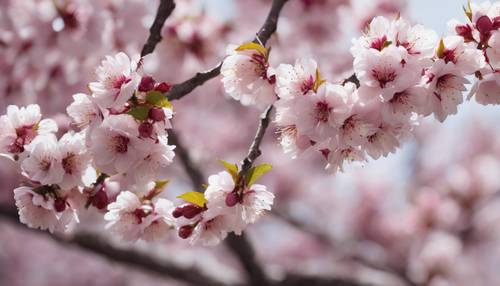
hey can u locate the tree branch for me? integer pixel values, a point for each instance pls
(268, 28)
(195, 175)
(164, 10)
(99, 246)
(353, 78)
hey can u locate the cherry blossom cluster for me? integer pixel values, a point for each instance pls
(231, 201)
(404, 72)
(120, 144)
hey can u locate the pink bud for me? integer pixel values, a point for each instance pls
(145, 129)
(185, 231)
(496, 23)
(232, 199)
(59, 205)
(163, 87)
(484, 24)
(100, 200)
(465, 31)
(156, 114)
(147, 84)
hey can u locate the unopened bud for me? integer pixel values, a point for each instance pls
(232, 199)
(163, 87)
(100, 200)
(147, 84)
(185, 231)
(59, 205)
(156, 114)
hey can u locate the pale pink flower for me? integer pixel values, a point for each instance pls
(286, 119)
(493, 51)
(339, 155)
(245, 206)
(115, 144)
(44, 163)
(83, 110)
(321, 114)
(20, 126)
(116, 81)
(418, 41)
(245, 77)
(42, 210)
(404, 104)
(210, 231)
(131, 219)
(466, 59)
(446, 85)
(487, 90)
(386, 72)
(296, 80)
(154, 165)
(75, 160)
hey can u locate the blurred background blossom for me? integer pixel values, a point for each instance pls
(427, 215)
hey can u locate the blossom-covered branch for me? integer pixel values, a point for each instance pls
(164, 10)
(268, 28)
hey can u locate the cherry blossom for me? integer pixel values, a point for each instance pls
(44, 162)
(117, 81)
(246, 77)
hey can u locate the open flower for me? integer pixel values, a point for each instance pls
(296, 80)
(246, 77)
(20, 126)
(132, 219)
(83, 110)
(75, 160)
(116, 81)
(115, 144)
(44, 164)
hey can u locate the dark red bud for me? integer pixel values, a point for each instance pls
(465, 31)
(145, 129)
(190, 211)
(177, 213)
(100, 200)
(163, 87)
(232, 199)
(185, 231)
(59, 205)
(484, 24)
(496, 23)
(147, 84)
(156, 114)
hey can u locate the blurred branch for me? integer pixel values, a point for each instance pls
(353, 78)
(98, 245)
(327, 241)
(268, 28)
(164, 10)
(299, 280)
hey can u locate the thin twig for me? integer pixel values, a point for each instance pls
(195, 175)
(254, 151)
(268, 28)
(353, 78)
(164, 10)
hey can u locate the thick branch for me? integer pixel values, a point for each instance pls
(100, 246)
(268, 28)
(164, 10)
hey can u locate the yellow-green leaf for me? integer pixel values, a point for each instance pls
(196, 198)
(231, 168)
(256, 172)
(139, 112)
(440, 49)
(252, 46)
(157, 98)
(160, 185)
(468, 11)
(319, 81)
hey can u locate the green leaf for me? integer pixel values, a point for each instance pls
(440, 49)
(256, 172)
(252, 46)
(231, 168)
(196, 198)
(157, 98)
(139, 112)
(160, 185)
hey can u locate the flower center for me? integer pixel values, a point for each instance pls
(69, 163)
(322, 111)
(120, 143)
(384, 76)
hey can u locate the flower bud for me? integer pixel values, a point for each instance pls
(156, 114)
(232, 199)
(145, 129)
(177, 213)
(190, 211)
(59, 205)
(147, 84)
(100, 200)
(163, 87)
(185, 231)
(484, 24)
